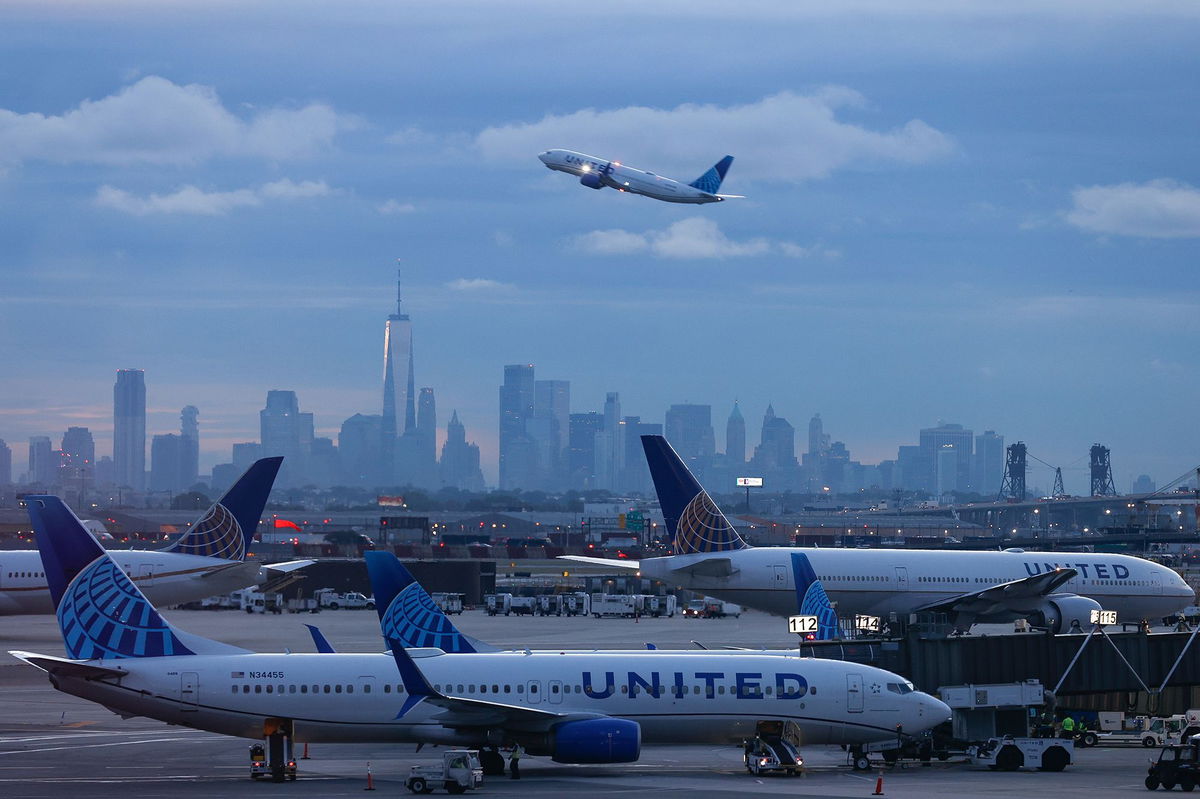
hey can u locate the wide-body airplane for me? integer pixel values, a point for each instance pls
(590, 707)
(596, 173)
(1056, 590)
(207, 560)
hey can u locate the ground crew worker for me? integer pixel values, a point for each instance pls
(514, 762)
(1068, 727)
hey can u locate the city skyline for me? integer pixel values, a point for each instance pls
(987, 215)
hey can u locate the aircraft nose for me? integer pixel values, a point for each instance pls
(931, 711)
(544, 157)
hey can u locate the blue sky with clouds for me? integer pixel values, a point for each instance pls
(986, 214)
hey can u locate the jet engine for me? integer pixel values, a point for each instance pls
(597, 741)
(1059, 612)
(592, 180)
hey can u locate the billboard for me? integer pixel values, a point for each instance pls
(749, 482)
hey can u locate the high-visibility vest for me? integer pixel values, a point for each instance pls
(1068, 724)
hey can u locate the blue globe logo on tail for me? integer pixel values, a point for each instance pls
(103, 615)
(703, 528)
(811, 598)
(415, 620)
(216, 535)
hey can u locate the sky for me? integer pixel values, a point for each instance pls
(987, 213)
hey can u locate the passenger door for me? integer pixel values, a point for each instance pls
(145, 574)
(533, 692)
(902, 578)
(854, 693)
(783, 578)
(556, 691)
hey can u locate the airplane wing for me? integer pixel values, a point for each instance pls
(731, 196)
(620, 564)
(67, 668)
(1005, 596)
(458, 711)
(288, 566)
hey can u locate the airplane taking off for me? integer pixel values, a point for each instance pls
(594, 707)
(596, 173)
(1054, 590)
(207, 560)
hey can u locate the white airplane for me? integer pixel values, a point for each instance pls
(596, 173)
(209, 559)
(593, 707)
(1055, 590)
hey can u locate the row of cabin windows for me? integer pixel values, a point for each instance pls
(26, 574)
(768, 690)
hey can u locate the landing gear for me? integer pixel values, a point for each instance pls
(492, 762)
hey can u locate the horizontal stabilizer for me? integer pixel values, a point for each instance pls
(68, 668)
(709, 567)
(288, 566)
(613, 562)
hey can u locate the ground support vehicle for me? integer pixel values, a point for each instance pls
(775, 749)
(711, 609)
(624, 605)
(577, 603)
(260, 766)
(551, 604)
(1178, 764)
(1011, 753)
(458, 772)
(352, 600)
(449, 603)
(497, 604)
(523, 605)
(659, 606)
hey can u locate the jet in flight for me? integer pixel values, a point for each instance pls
(207, 560)
(581, 707)
(596, 173)
(1054, 590)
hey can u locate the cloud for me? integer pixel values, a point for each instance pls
(395, 208)
(155, 121)
(478, 284)
(1160, 209)
(695, 237)
(782, 137)
(193, 200)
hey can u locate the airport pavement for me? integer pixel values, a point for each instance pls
(51, 743)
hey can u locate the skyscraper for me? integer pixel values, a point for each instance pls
(416, 448)
(43, 469)
(5, 464)
(360, 447)
(581, 447)
(78, 451)
(189, 431)
(777, 443)
(932, 442)
(129, 428)
(460, 460)
(167, 455)
(818, 442)
(735, 437)
(517, 456)
(690, 431)
(987, 470)
(399, 400)
(287, 432)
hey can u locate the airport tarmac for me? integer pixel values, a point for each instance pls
(51, 742)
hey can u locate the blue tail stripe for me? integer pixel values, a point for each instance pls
(406, 611)
(811, 599)
(227, 529)
(711, 180)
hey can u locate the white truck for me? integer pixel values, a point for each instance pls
(659, 606)
(459, 771)
(1116, 728)
(577, 603)
(353, 600)
(622, 605)
(984, 714)
(258, 602)
(449, 603)
(523, 605)
(498, 604)
(551, 604)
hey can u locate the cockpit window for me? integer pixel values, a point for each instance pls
(900, 687)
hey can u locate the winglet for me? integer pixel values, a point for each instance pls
(694, 521)
(416, 688)
(227, 529)
(406, 611)
(319, 640)
(710, 181)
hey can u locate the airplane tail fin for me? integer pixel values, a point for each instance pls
(227, 529)
(710, 181)
(406, 611)
(100, 611)
(694, 521)
(811, 599)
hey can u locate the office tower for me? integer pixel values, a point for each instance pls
(636, 475)
(129, 428)
(690, 431)
(167, 455)
(245, 454)
(932, 441)
(287, 432)
(987, 471)
(945, 469)
(105, 473)
(43, 468)
(818, 442)
(609, 460)
(735, 437)
(427, 428)
(581, 447)
(416, 449)
(1144, 484)
(78, 453)
(5, 464)
(460, 460)
(777, 443)
(552, 400)
(360, 449)
(517, 453)
(399, 400)
(189, 431)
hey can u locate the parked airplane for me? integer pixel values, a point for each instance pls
(596, 173)
(577, 708)
(1051, 589)
(208, 559)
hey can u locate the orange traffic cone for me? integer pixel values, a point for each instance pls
(878, 785)
(370, 782)
(305, 755)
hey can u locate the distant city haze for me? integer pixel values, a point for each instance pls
(987, 216)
